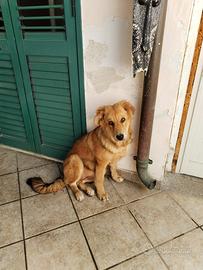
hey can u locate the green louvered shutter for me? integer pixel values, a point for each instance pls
(45, 34)
(15, 126)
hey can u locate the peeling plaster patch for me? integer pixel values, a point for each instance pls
(103, 77)
(95, 52)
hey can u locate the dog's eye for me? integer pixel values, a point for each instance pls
(111, 123)
(122, 119)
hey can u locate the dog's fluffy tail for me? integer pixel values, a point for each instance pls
(38, 185)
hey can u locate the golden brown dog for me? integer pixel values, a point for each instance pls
(90, 155)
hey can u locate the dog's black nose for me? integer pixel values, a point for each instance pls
(120, 137)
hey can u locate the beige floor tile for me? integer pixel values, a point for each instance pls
(130, 191)
(182, 184)
(161, 218)
(61, 249)
(9, 190)
(28, 161)
(12, 257)
(184, 252)
(45, 212)
(114, 236)
(129, 175)
(192, 204)
(148, 261)
(10, 225)
(48, 173)
(8, 162)
(4, 149)
(92, 205)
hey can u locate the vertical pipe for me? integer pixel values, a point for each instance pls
(148, 103)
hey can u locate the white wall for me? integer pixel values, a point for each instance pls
(108, 73)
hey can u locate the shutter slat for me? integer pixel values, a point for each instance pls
(54, 117)
(52, 104)
(57, 136)
(5, 64)
(6, 71)
(50, 83)
(47, 59)
(44, 67)
(12, 127)
(56, 143)
(12, 122)
(8, 98)
(50, 123)
(8, 85)
(39, 7)
(50, 75)
(59, 153)
(8, 115)
(52, 91)
(9, 110)
(13, 133)
(54, 98)
(59, 131)
(9, 105)
(55, 111)
(5, 78)
(8, 92)
(4, 57)
(33, 18)
(43, 27)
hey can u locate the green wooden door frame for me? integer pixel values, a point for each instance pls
(80, 62)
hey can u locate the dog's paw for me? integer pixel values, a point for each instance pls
(118, 179)
(79, 196)
(103, 197)
(90, 191)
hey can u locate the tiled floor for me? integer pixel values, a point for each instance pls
(137, 229)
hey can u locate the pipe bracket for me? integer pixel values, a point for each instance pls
(150, 161)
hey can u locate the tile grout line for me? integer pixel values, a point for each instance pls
(27, 197)
(128, 259)
(154, 247)
(102, 212)
(51, 230)
(10, 244)
(142, 198)
(16, 200)
(22, 222)
(5, 174)
(91, 253)
(183, 209)
(110, 180)
(159, 245)
(36, 167)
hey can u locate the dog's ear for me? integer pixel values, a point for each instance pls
(127, 106)
(99, 115)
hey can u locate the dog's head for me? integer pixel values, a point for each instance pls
(116, 120)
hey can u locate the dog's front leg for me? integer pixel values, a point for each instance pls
(99, 181)
(114, 174)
